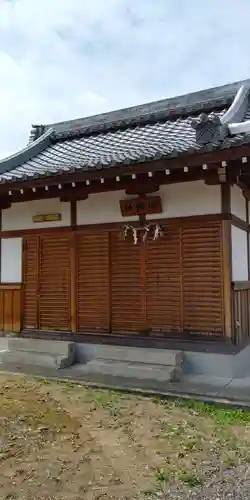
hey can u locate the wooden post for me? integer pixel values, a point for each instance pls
(109, 282)
(73, 214)
(227, 276)
(73, 283)
(1, 245)
(73, 267)
(248, 246)
(38, 277)
(225, 198)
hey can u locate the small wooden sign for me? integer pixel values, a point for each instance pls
(141, 206)
(47, 217)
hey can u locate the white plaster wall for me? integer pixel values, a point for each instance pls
(178, 200)
(239, 255)
(189, 198)
(238, 203)
(11, 260)
(19, 215)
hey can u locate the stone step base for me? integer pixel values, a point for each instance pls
(45, 353)
(165, 357)
(111, 369)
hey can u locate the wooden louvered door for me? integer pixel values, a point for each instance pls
(30, 277)
(93, 297)
(202, 278)
(127, 297)
(54, 283)
(163, 282)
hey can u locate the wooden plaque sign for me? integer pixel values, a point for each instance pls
(141, 206)
(46, 217)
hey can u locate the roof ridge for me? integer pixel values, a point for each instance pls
(169, 108)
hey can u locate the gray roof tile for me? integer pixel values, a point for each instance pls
(145, 133)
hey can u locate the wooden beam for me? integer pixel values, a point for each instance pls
(113, 226)
(227, 277)
(5, 203)
(225, 198)
(241, 224)
(142, 188)
(73, 214)
(246, 194)
(215, 157)
(81, 191)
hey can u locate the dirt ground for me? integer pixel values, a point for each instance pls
(62, 441)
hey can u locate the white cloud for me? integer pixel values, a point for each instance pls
(62, 59)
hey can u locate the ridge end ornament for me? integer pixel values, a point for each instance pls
(209, 128)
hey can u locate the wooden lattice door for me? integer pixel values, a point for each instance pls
(202, 278)
(127, 286)
(31, 282)
(46, 295)
(54, 283)
(163, 291)
(93, 275)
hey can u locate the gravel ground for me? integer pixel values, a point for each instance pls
(227, 484)
(66, 442)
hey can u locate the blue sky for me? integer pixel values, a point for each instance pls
(63, 59)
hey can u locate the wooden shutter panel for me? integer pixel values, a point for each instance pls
(126, 286)
(93, 282)
(54, 293)
(202, 282)
(30, 274)
(163, 282)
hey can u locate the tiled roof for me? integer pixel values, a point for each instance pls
(153, 131)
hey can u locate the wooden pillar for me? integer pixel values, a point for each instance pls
(73, 267)
(225, 198)
(73, 214)
(227, 276)
(248, 246)
(227, 258)
(0, 246)
(73, 282)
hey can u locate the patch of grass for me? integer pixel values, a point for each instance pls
(189, 479)
(230, 460)
(67, 383)
(221, 416)
(161, 475)
(104, 398)
(151, 492)
(43, 380)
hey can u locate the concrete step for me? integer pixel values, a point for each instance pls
(112, 369)
(47, 353)
(163, 357)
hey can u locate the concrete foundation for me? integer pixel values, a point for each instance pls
(99, 362)
(192, 362)
(217, 365)
(39, 352)
(130, 363)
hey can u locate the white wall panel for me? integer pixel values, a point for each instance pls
(239, 255)
(238, 203)
(19, 215)
(11, 260)
(178, 200)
